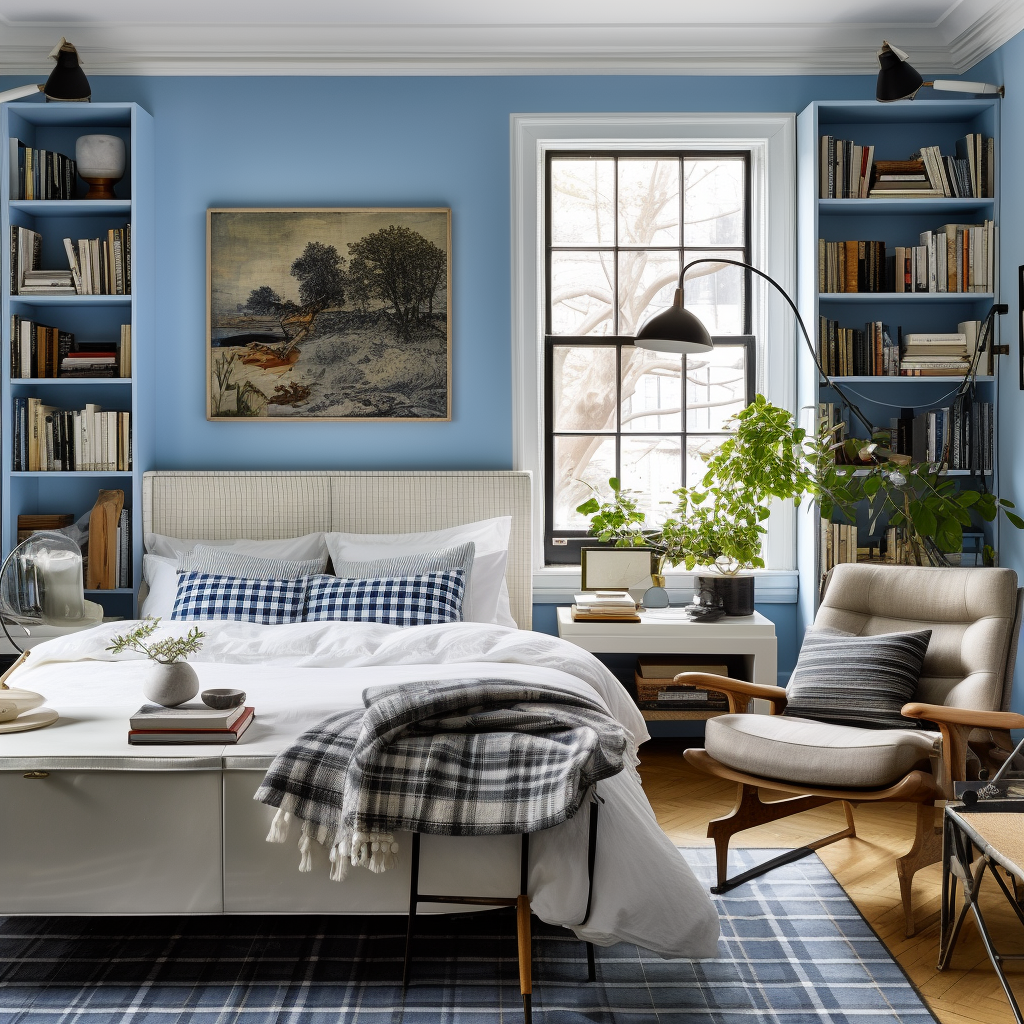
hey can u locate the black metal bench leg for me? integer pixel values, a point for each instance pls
(591, 963)
(414, 885)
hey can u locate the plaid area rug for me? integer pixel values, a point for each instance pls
(794, 950)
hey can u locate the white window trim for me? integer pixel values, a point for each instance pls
(771, 140)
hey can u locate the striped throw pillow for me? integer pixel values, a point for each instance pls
(218, 562)
(857, 680)
(270, 602)
(460, 556)
(434, 597)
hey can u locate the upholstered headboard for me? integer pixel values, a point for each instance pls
(265, 505)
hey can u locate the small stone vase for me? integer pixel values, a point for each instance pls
(169, 685)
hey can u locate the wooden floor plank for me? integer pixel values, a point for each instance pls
(968, 992)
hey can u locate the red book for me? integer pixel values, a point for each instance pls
(214, 736)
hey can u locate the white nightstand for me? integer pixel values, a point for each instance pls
(669, 631)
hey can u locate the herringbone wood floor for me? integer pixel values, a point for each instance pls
(967, 992)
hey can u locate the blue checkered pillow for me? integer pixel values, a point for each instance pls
(271, 602)
(395, 600)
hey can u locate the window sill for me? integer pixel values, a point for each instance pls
(557, 584)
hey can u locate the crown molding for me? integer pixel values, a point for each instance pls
(769, 49)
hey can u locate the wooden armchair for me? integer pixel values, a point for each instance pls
(964, 690)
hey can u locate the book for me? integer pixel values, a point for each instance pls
(230, 734)
(188, 717)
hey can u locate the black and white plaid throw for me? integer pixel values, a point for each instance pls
(464, 757)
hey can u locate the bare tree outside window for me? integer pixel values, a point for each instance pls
(619, 228)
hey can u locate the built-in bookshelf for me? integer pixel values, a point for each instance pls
(894, 132)
(112, 312)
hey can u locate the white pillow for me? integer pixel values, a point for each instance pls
(310, 546)
(486, 597)
(161, 576)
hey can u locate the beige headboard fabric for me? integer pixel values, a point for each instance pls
(219, 505)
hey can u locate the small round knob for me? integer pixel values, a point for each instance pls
(36, 775)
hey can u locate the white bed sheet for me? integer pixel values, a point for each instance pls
(295, 675)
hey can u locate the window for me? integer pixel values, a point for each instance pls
(618, 228)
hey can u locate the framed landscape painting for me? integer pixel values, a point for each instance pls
(328, 314)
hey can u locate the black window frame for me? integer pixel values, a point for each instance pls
(562, 547)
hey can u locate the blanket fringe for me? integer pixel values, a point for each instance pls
(279, 827)
(305, 854)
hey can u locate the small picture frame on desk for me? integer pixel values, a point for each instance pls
(617, 568)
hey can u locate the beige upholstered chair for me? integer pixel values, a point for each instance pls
(975, 618)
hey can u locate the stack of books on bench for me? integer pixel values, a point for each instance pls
(604, 606)
(188, 723)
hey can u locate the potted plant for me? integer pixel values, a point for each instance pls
(719, 523)
(169, 679)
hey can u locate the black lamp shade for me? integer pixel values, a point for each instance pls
(897, 80)
(67, 82)
(676, 330)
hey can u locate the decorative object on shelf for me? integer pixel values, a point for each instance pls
(707, 605)
(332, 314)
(656, 596)
(101, 163)
(629, 569)
(41, 582)
(898, 80)
(736, 593)
(223, 699)
(169, 680)
(67, 82)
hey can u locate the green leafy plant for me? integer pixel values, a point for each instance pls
(720, 521)
(167, 651)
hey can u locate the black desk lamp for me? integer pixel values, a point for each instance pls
(898, 80)
(67, 82)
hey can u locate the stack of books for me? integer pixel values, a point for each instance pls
(604, 606)
(902, 179)
(46, 282)
(656, 691)
(935, 355)
(29, 524)
(188, 723)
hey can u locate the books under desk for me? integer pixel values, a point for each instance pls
(47, 439)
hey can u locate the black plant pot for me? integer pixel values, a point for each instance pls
(736, 592)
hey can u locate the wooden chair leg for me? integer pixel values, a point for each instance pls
(749, 812)
(525, 955)
(927, 849)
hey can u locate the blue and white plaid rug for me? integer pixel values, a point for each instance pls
(794, 950)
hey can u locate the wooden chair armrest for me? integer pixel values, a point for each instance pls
(738, 691)
(940, 714)
(956, 724)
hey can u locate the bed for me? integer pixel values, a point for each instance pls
(94, 826)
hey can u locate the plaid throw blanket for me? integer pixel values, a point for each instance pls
(462, 757)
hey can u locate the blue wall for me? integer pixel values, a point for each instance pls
(386, 142)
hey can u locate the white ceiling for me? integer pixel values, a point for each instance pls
(474, 37)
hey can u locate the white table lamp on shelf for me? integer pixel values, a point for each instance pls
(40, 584)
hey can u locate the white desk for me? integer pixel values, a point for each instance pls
(669, 631)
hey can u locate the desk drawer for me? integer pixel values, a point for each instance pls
(118, 842)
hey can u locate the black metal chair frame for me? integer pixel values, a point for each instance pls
(520, 902)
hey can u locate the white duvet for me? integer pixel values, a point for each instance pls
(294, 675)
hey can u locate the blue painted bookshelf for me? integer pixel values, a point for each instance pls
(56, 127)
(896, 130)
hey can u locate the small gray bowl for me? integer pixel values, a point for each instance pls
(222, 700)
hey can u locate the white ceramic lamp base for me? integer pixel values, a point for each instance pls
(30, 720)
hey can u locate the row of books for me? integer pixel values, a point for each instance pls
(872, 352)
(97, 266)
(42, 352)
(47, 439)
(959, 436)
(188, 723)
(953, 258)
(41, 173)
(849, 171)
(839, 543)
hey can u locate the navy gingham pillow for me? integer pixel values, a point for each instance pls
(270, 602)
(393, 600)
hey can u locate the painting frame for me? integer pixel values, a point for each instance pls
(614, 568)
(436, 218)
